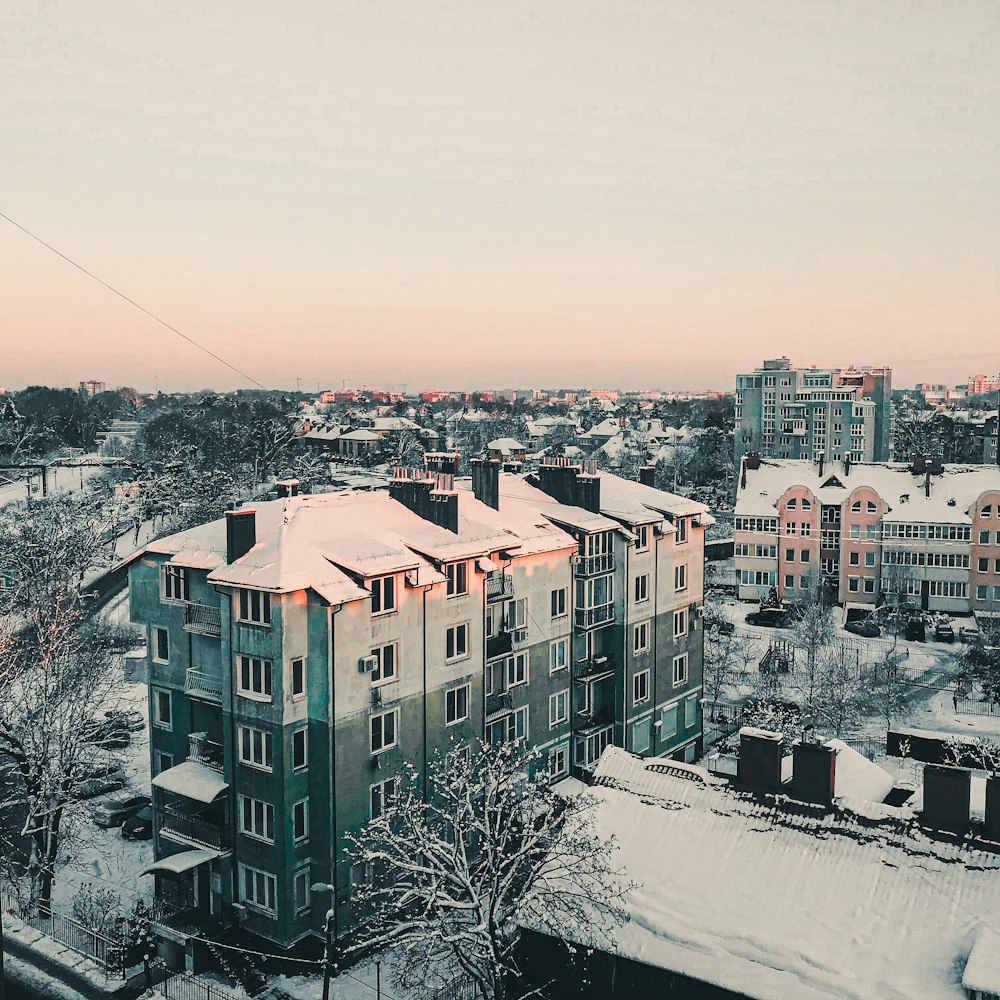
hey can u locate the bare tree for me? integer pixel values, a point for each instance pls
(980, 752)
(451, 872)
(839, 699)
(813, 635)
(59, 671)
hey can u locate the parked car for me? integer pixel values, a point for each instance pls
(968, 634)
(108, 732)
(139, 826)
(769, 618)
(130, 720)
(98, 784)
(864, 627)
(115, 809)
(720, 625)
(943, 632)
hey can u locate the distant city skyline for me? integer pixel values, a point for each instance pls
(483, 196)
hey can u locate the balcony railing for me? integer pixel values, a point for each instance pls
(206, 751)
(193, 829)
(597, 668)
(593, 719)
(499, 587)
(200, 684)
(497, 705)
(602, 562)
(203, 619)
(603, 614)
(498, 645)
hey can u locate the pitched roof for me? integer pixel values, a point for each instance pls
(775, 900)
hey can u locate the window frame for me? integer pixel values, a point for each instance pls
(386, 587)
(379, 790)
(510, 669)
(680, 578)
(245, 663)
(159, 632)
(298, 690)
(558, 603)
(303, 733)
(641, 687)
(641, 633)
(457, 574)
(167, 725)
(643, 597)
(378, 653)
(555, 699)
(175, 578)
(451, 639)
(380, 718)
(270, 883)
(680, 658)
(451, 699)
(556, 644)
(245, 611)
(251, 831)
(682, 613)
(300, 806)
(266, 747)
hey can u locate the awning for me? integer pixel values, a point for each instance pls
(193, 780)
(177, 864)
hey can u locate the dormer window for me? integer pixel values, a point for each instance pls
(872, 509)
(383, 591)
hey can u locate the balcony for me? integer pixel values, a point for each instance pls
(205, 751)
(203, 619)
(602, 562)
(498, 705)
(590, 744)
(199, 684)
(193, 829)
(499, 587)
(596, 617)
(594, 719)
(597, 668)
(499, 645)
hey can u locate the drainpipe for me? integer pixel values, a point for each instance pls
(331, 702)
(625, 659)
(655, 732)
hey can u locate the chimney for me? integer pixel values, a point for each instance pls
(822, 457)
(647, 475)
(486, 482)
(241, 533)
(947, 792)
(847, 464)
(927, 483)
(442, 461)
(814, 769)
(287, 488)
(430, 497)
(753, 461)
(743, 473)
(759, 766)
(993, 807)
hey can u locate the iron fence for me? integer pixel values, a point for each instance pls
(183, 986)
(462, 988)
(976, 706)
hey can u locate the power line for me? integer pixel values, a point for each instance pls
(120, 294)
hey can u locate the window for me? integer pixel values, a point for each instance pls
(640, 687)
(383, 594)
(176, 584)
(456, 705)
(300, 749)
(871, 532)
(854, 558)
(642, 734)
(255, 607)
(690, 711)
(641, 537)
(253, 677)
(386, 668)
(871, 508)
(680, 623)
(855, 531)
(853, 584)
(457, 642)
(869, 558)
(512, 727)
(856, 507)
(680, 669)
(792, 504)
(517, 670)
(807, 504)
(164, 761)
(789, 581)
(789, 555)
(642, 588)
(792, 528)
(161, 645)
(987, 511)
(256, 748)
(869, 585)
(382, 796)
(984, 538)
(257, 818)
(300, 888)
(258, 889)
(640, 638)
(458, 578)
(982, 593)
(384, 728)
(681, 526)
(163, 710)
(557, 655)
(559, 760)
(558, 602)
(804, 555)
(806, 529)
(668, 722)
(300, 821)
(558, 708)
(517, 613)
(298, 677)
(680, 578)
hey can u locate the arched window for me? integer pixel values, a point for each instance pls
(806, 504)
(987, 511)
(856, 507)
(792, 504)
(871, 507)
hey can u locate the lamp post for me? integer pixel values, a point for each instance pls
(328, 933)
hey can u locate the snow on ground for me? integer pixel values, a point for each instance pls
(360, 982)
(797, 907)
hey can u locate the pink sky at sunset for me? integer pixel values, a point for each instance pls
(471, 194)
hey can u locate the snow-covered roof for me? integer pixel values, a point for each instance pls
(192, 779)
(505, 445)
(982, 970)
(394, 424)
(778, 901)
(891, 480)
(182, 862)
(362, 434)
(641, 504)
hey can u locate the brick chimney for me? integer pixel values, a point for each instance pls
(442, 461)
(569, 484)
(814, 770)
(241, 533)
(287, 488)
(647, 475)
(486, 482)
(993, 807)
(759, 766)
(947, 794)
(428, 495)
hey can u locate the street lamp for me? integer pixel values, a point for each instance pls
(331, 916)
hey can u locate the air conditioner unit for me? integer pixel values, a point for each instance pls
(598, 660)
(519, 635)
(367, 664)
(575, 559)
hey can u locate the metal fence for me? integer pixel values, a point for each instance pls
(186, 987)
(107, 952)
(462, 988)
(976, 706)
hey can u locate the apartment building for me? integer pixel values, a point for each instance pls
(301, 651)
(870, 532)
(802, 413)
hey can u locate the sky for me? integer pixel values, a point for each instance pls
(447, 194)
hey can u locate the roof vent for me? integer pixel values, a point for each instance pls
(951, 502)
(904, 497)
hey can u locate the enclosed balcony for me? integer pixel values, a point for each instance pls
(501, 644)
(499, 587)
(498, 705)
(595, 617)
(590, 744)
(593, 565)
(203, 619)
